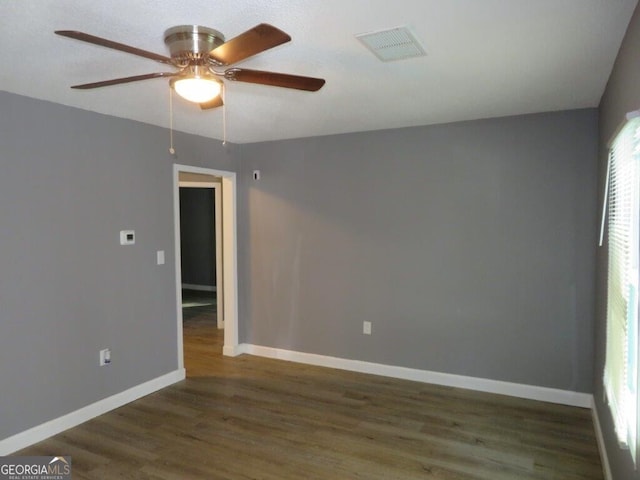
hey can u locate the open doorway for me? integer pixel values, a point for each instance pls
(221, 185)
(201, 247)
(200, 260)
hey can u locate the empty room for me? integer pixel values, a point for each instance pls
(421, 248)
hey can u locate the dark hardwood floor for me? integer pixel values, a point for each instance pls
(202, 340)
(254, 418)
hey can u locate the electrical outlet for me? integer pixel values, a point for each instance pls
(105, 357)
(366, 328)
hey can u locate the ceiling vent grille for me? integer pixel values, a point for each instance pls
(393, 44)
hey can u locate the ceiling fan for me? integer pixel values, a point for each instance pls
(201, 54)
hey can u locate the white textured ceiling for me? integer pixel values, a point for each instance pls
(485, 58)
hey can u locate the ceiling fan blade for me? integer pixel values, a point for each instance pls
(117, 81)
(258, 39)
(274, 79)
(215, 103)
(85, 37)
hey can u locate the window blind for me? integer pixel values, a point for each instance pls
(621, 372)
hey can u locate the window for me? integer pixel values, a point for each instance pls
(622, 207)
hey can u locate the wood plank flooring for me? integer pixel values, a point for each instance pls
(254, 418)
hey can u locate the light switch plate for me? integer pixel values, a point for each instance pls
(160, 257)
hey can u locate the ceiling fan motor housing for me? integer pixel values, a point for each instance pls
(189, 42)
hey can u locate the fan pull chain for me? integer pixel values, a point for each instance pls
(172, 150)
(224, 117)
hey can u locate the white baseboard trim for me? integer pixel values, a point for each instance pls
(53, 427)
(552, 395)
(201, 288)
(234, 350)
(604, 458)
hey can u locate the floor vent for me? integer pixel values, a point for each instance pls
(393, 44)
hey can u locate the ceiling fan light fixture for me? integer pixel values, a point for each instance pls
(196, 89)
(198, 85)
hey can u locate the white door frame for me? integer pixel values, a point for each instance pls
(229, 260)
(217, 205)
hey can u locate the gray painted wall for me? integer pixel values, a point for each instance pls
(70, 180)
(469, 246)
(197, 236)
(622, 95)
